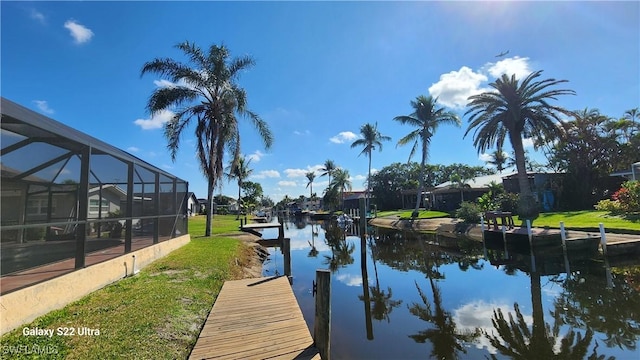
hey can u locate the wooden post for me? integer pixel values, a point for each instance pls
(530, 234)
(484, 243)
(563, 236)
(322, 322)
(286, 249)
(363, 219)
(504, 238)
(281, 229)
(603, 240)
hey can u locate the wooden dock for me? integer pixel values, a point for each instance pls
(255, 227)
(255, 319)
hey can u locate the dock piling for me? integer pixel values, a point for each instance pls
(286, 249)
(563, 236)
(322, 322)
(603, 239)
(530, 234)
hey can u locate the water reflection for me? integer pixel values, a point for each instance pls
(381, 300)
(443, 297)
(341, 248)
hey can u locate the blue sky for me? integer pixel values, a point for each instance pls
(322, 70)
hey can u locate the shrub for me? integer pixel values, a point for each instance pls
(469, 212)
(628, 196)
(611, 206)
(508, 202)
(487, 203)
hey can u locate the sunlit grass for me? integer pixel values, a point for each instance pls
(156, 314)
(586, 219)
(222, 224)
(406, 214)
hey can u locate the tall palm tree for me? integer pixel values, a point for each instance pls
(371, 138)
(341, 182)
(204, 90)
(426, 118)
(498, 159)
(310, 176)
(328, 169)
(240, 171)
(517, 109)
(632, 115)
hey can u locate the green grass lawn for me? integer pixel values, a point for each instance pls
(156, 314)
(222, 224)
(406, 214)
(587, 220)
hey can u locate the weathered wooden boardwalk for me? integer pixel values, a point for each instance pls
(255, 319)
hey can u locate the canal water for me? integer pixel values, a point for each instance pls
(401, 295)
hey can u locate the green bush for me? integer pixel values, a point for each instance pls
(508, 202)
(628, 196)
(469, 212)
(611, 206)
(487, 202)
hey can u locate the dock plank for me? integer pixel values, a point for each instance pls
(255, 319)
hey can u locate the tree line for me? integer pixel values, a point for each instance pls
(204, 92)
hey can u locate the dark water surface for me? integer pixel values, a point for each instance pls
(400, 295)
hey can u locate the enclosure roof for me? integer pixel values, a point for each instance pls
(20, 120)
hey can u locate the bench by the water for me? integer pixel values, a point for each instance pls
(255, 319)
(506, 219)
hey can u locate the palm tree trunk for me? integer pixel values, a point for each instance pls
(523, 179)
(527, 205)
(366, 202)
(239, 199)
(420, 180)
(207, 231)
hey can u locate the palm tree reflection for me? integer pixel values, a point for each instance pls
(381, 301)
(516, 340)
(341, 249)
(313, 252)
(447, 340)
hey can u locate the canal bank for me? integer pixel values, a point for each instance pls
(452, 226)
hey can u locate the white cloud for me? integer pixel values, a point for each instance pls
(343, 137)
(293, 173)
(155, 122)
(455, 87)
(515, 65)
(359, 177)
(133, 149)
(38, 16)
(489, 157)
(527, 142)
(350, 279)
(305, 132)
(162, 83)
(168, 167)
(267, 174)
(256, 156)
(80, 33)
(287, 183)
(43, 106)
(478, 314)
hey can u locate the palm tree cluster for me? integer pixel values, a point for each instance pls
(517, 109)
(204, 91)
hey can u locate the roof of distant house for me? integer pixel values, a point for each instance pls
(480, 182)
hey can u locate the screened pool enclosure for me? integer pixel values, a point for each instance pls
(70, 200)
